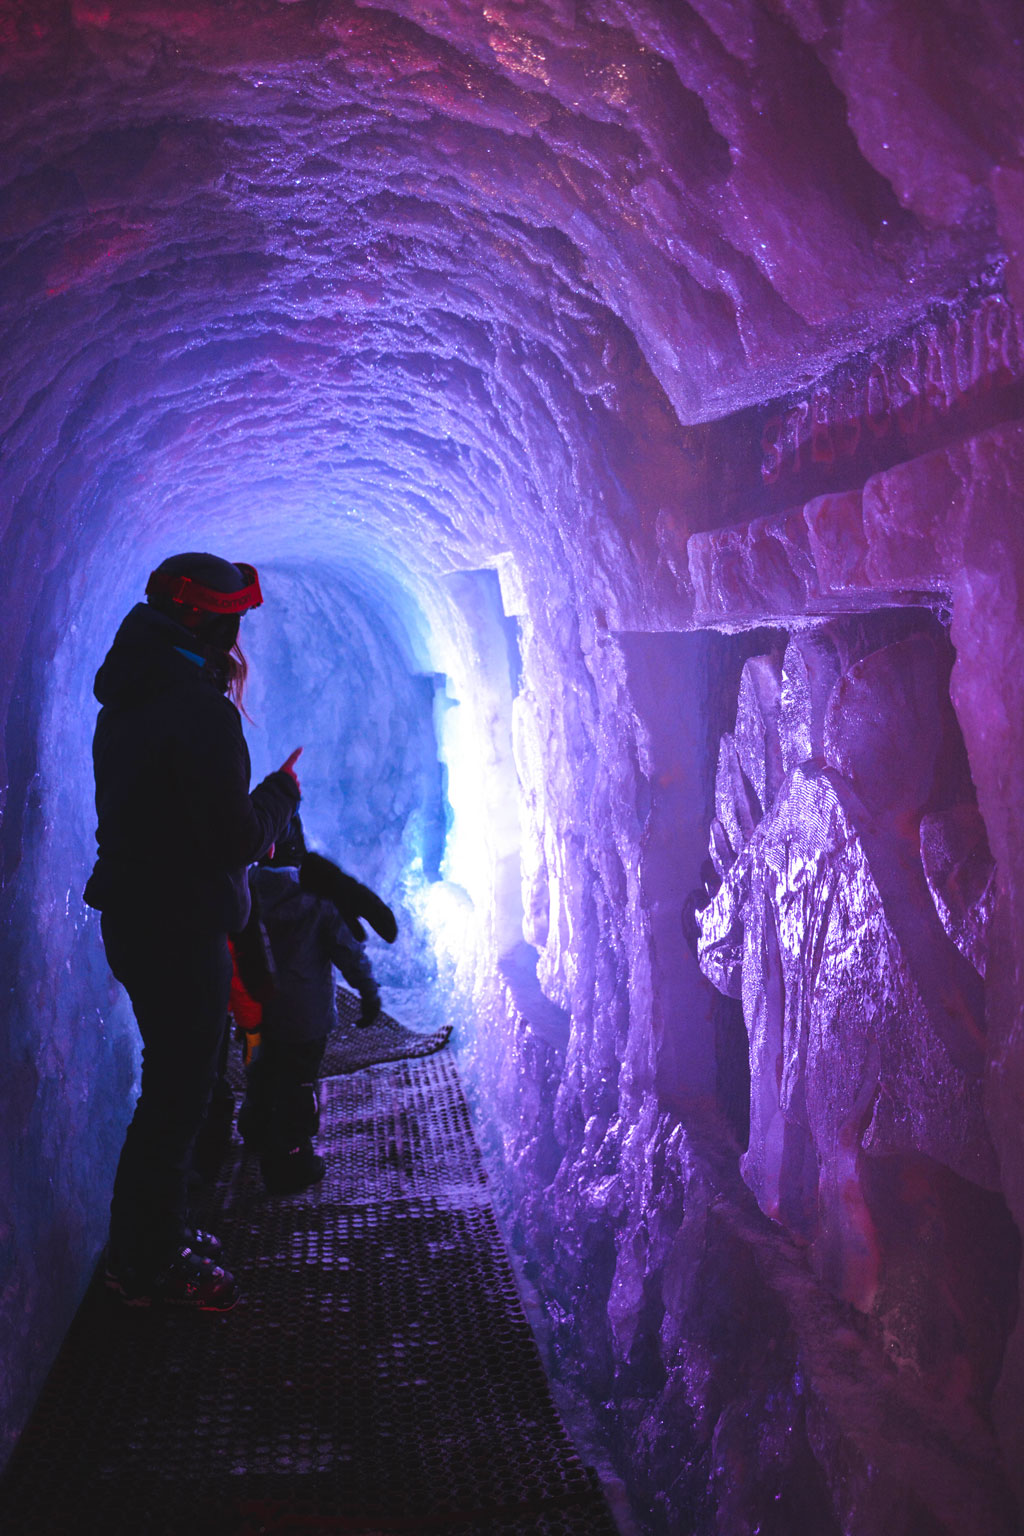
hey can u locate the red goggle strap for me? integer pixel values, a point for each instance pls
(192, 594)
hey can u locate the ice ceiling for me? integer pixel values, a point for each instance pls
(453, 317)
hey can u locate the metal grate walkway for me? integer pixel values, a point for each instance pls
(379, 1377)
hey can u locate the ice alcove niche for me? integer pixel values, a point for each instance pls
(623, 402)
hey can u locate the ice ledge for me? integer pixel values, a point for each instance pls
(900, 540)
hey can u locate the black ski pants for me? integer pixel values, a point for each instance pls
(281, 1109)
(179, 982)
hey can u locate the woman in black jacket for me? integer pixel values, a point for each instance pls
(177, 829)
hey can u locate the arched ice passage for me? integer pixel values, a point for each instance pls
(532, 350)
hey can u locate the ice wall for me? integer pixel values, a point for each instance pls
(535, 348)
(853, 919)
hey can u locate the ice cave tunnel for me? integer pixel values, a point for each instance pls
(623, 401)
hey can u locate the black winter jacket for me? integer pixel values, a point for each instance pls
(177, 824)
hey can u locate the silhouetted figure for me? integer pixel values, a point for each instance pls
(285, 959)
(177, 829)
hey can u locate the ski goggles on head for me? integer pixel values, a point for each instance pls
(193, 594)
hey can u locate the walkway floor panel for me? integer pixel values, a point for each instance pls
(380, 1375)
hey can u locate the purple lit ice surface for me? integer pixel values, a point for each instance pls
(621, 402)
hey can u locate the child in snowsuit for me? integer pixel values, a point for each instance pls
(306, 934)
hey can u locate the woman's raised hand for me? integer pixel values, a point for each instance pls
(289, 767)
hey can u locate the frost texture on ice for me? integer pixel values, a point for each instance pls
(853, 924)
(810, 670)
(961, 877)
